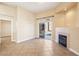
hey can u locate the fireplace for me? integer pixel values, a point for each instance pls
(63, 40)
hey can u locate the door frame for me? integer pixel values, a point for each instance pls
(52, 26)
(8, 18)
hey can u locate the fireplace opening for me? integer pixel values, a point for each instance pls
(63, 40)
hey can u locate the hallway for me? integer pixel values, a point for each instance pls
(35, 47)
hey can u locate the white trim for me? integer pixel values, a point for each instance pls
(70, 49)
(19, 41)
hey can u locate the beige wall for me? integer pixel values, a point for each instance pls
(59, 20)
(25, 25)
(74, 44)
(70, 20)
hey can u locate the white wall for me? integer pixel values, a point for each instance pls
(23, 22)
(7, 10)
(25, 25)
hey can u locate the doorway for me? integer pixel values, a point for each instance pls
(5, 32)
(45, 28)
(42, 30)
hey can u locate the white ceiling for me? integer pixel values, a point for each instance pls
(35, 7)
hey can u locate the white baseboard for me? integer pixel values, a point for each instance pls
(19, 41)
(70, 49)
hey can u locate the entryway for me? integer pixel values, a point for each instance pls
(45, 28)
(5, 32)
